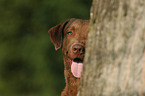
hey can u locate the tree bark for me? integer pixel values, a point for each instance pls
(114, 62)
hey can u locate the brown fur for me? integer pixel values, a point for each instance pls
(70, 35)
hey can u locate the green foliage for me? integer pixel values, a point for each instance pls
(29, 65)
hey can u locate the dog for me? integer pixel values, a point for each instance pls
(71, 36)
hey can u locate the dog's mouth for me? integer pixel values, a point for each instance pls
(78, 60)
(77, 67)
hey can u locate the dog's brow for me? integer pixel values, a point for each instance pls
(69, 24)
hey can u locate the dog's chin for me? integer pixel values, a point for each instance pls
(77, 67)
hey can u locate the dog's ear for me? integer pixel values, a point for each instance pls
(56, 34)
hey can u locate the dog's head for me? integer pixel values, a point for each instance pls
(71, 35)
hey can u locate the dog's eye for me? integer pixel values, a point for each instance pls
(69, 33)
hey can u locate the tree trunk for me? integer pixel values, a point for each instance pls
(115, 56)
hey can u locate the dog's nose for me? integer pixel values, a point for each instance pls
(78, 49)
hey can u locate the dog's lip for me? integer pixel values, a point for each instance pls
(77, 60)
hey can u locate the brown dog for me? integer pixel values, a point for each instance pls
(71, 36)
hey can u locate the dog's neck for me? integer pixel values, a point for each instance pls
(71, 81)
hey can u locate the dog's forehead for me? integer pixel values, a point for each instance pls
(80, 25)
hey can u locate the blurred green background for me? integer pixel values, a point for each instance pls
(29, 64)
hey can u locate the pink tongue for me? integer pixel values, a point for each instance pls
(76, 69)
